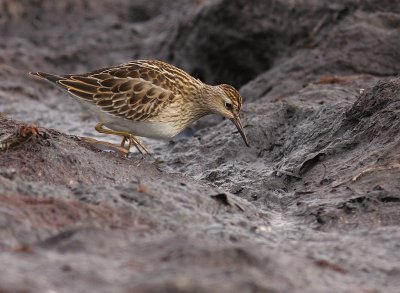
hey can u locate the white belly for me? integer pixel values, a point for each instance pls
(146, 129)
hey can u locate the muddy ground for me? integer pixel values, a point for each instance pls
(312, 206)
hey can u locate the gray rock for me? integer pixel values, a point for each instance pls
(311, 206)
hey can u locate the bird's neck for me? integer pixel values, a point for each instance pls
(204, 98)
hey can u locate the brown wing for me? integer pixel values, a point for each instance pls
(138, 90)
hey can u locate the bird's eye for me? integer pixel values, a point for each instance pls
(228, 106)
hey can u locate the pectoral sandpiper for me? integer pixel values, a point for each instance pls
(148, 98)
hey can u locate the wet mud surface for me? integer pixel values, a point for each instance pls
(312, 206)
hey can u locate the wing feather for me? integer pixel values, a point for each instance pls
(138, 90)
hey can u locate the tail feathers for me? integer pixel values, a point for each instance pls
(50, 77)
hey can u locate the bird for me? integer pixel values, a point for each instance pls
(148, 98)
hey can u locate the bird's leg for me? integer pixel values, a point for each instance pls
(123, 141)
(134, 140)
(121, 150)
(138, 144)
(126, 136)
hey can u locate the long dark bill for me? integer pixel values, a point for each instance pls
(239, 126)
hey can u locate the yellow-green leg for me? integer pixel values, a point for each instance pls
(125, 137)
(121, 150)
(123, 141)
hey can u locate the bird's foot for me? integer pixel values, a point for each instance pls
(106, 145)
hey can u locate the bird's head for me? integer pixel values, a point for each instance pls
(226, 101)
